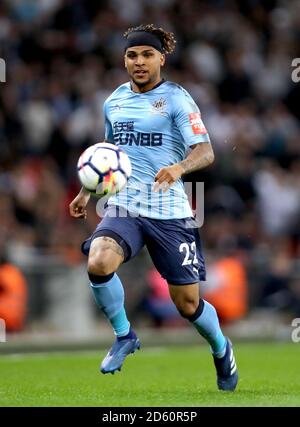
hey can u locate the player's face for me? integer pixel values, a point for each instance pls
(143, 66)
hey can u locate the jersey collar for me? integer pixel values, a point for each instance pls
(154, 87)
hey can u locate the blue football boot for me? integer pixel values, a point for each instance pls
(121, 348)
(227, 374)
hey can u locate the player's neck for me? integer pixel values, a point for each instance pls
(146, 88)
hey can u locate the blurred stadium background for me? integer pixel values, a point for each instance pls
(63, 58)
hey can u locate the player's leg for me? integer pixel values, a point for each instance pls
(200, 313)
(204, 318)
(115, 240)
(176, 253)
(105, 257)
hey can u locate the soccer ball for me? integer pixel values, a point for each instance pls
(103, 169)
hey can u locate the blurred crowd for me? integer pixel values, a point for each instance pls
(65, 57)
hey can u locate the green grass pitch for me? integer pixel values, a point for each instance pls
(171, 376)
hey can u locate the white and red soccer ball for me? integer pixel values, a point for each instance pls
(103, 169)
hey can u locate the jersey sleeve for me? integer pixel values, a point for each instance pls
(187, 117)
(109, 136)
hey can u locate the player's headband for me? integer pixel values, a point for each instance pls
(141, 38)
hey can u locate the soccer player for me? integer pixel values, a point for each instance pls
(157, 123)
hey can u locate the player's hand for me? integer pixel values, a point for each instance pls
(165, 177)
(77, 207)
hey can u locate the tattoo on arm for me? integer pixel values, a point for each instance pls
(112, 244)
(199, 158)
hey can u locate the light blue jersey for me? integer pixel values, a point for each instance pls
(155, 129)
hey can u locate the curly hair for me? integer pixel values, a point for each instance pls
(167, 39)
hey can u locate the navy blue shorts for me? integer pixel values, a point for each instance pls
(175, 248)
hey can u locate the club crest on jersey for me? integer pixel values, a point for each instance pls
(197, 124)
(117, 107)
(159, 106)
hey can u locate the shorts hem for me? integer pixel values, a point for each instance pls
(109, 233)
(184, 283)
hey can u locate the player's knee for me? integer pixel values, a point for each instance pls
(103, 258)
(186, 307)
(100, 264)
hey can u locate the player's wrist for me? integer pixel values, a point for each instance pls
(184, 166)
(84, 192)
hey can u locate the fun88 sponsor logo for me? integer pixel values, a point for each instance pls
(124, 134)
(139, 139)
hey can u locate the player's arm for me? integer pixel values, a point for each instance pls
(202, 155)
(77, 207)
(187, 118)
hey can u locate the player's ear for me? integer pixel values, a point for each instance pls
(162, 60)
(125, 61)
